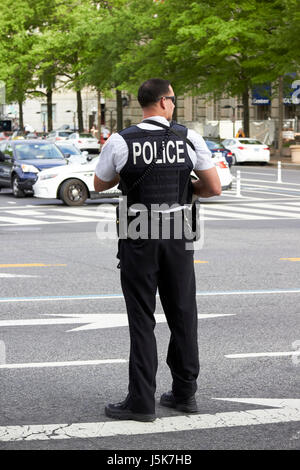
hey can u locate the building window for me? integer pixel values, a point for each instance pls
(44, 110)
(291, 111)
(263, 112)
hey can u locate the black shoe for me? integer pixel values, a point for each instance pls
(122, 411)
(188, 405)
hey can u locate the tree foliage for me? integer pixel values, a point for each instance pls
(204, 47)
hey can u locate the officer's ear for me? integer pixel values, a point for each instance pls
(162, 102)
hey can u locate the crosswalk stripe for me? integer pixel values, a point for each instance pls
(212, 211)
(259, 211)
(24, 212)
(71, 218)
(278, 206)
(232, 214)
(20, 221)
(88, 212)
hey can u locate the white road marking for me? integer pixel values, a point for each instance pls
(91, 321)
(272, 182)
(282, 411)
(89, 212)
(263, 354)
(69, 218)
(20, 221)
(257, 210)
(24, 212)
(260, 174)
(275, 206)
(120, 296)
(32, 365)
(5, 275)
(231, 214)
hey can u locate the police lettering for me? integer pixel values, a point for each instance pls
(172, 152)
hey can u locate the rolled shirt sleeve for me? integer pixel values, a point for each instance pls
(113, 157)
(202, 156)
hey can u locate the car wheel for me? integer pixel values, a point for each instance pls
(73, 192)
(234, 160)
(17, 192)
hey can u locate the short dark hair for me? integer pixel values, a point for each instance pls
(151, 90)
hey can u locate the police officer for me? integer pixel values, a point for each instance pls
(165, 264)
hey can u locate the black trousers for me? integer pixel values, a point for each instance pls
(148, 265)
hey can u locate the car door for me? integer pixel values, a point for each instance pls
(6, 165)
(2, 161)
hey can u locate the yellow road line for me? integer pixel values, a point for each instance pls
(29, 265)
(198, 261)
(290, 259)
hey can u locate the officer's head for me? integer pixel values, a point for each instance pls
(156, 97)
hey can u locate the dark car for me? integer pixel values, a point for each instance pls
(217, 147)
(21, 161)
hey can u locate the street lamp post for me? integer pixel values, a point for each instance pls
(111, 113)
(43, 113)
(74, 118)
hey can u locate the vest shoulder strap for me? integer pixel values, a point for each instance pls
(171, 128)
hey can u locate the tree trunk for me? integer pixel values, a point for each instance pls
(21, 118)
(99, 114)
(119, 110)
(280, 116)
(49, 109)
(79, 110)
(246, 115)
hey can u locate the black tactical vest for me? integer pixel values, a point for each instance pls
(168, 182)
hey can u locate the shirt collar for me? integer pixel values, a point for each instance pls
(160, 119)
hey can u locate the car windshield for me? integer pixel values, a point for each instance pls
(32, 151)
(250, 142)
(214, 145)
(86, 136)
(69, 149)
(64, 134)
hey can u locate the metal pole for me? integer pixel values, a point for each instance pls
(279, 180)
(238, 183)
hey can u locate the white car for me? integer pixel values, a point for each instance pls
(73, 186)
(223, 170)
(247, 150)
(85, 141)
(74, 183)
(54, 136)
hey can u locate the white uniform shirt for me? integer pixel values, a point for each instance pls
(114, 153)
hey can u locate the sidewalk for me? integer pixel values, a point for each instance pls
(286, 162)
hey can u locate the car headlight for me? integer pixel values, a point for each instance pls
(47, 177)
(29, 169)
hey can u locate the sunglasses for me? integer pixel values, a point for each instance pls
(173, 98)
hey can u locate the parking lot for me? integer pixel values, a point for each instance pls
(64, 341)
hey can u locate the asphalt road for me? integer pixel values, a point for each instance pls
(61, 303)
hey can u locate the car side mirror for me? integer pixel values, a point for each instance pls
(67, 155)
(89, 158)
